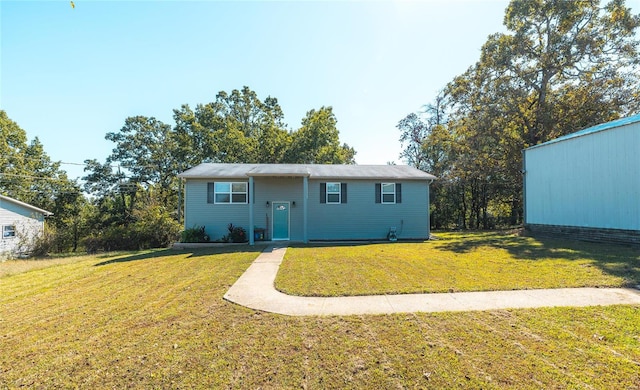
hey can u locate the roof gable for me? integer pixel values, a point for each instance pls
(23, 205)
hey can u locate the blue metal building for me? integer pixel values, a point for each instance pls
(586, 184)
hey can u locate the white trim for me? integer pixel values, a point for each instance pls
(382, 193)
(9, 231)
(230, 193)
(326, 194)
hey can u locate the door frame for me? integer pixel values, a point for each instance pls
(273, 220)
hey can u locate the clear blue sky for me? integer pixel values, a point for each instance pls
(69, 76)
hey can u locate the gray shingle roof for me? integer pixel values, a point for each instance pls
(313, 171)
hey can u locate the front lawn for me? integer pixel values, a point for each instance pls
(157, 320)
(456, 262)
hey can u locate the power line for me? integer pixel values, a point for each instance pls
(84, 164)
(31, 177)
(49, 178)
(60, 161)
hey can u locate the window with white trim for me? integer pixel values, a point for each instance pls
(227, 192)
(9, 231)
(388, 194)
(334, 193)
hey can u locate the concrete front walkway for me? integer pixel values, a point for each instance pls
(255, 289)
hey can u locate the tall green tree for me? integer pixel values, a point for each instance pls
(415, 130)
(194, 144)
(414, 134)
(17, 177)
(556, 46)
(561, 66)
(112, 192)
(318, 141)
(145, 148)
(236, 127)
(13, 144)
(70, 218)
(28, 174)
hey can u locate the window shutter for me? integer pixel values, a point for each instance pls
(343, 192)
(323, 192)
(210, 193)
(378, 192)
(398, 193)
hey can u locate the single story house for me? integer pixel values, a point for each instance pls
(19, 222)
(586, 184)
(303, 202)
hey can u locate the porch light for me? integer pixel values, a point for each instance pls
(267, 204)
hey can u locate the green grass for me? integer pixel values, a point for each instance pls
(456, 262)
(18, 266)
(157, 320)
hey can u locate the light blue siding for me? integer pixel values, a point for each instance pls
(359, 219)
(362, 218)
(279, 190)
(214, 217)
(587, 181)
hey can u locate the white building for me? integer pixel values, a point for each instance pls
(20, 223)
(586, 184)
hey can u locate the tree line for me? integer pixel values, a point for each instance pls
(561, 66)
(130, 200)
